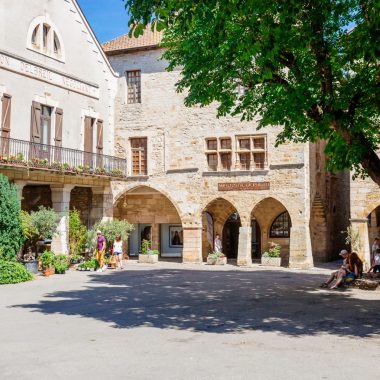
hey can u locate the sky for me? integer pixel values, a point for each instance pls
(108, 18)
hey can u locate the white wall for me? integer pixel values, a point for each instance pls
(83, 61)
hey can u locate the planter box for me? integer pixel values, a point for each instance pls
(49, 271)
(271, 261)
(218, 261)
(148, 259)
(31, 266)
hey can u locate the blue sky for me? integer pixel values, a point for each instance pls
(107, 18)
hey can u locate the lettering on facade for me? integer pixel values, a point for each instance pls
(36, 71)
(14, 64)
(4, 60)
(239, 186)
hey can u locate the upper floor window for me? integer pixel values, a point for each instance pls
(139, 156)
(249, 153)
(44, 38)
(134, 86)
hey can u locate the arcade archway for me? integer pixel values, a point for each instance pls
(155, 218)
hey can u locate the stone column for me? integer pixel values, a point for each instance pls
(300, 252)
(155, 238)
(192, 244)
(244, 257)
(19, 185)
(361, 226)
(102, 205)
(60, 196)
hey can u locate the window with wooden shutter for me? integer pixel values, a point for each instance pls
(139, 156)
(133, 86)
(252, 152)
(225, 160)
(88, 140)
(212, 161)
(5, 124)
(58, 134)
(99, 137)
(35, 130)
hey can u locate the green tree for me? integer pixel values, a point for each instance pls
(11, 233)
(298, 64)
(45, 222)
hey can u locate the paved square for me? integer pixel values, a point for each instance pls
(173, 321)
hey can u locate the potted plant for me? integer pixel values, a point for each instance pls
(216, 258)
(47, 263)
(61, 264)
(45, 222)
(148, 255)
(272, 257)
(30, 262)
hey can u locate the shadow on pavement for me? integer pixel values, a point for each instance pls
(217, 302)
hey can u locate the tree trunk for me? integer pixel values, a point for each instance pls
(371, 163)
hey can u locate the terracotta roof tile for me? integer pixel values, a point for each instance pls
(148, 39)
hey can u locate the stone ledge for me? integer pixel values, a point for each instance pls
(235, 173)
(286, 166)
(185, 170)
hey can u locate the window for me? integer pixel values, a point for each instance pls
(139, 156)
(45, 126)
(45, 35)
(251, 152)
(35, 36)
(57, 45)
(134, 86)
(281, 226)
(219, 154)
(44, 38)
(212, 161)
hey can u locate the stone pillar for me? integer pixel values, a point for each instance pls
(244, 257)
(60, 196)
(19, 185)
(155, 232)
(361, 226)
(102, 205)
(192, 244)
(300, 252)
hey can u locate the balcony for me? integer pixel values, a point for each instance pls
(26, 154)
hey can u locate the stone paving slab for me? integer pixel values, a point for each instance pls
(173, 321)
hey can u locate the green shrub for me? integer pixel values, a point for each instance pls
(273, 251)
(27, 226)
(47, 259)
(45, 221)
(61, 262)
(77, 233)
(11, 234)
(216, 255)
(110, 229)
(12, 273)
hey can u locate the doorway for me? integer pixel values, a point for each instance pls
(231, 236)
(256, 240)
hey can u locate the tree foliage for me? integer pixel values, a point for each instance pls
(310, 66)
(12, 272)
(45, 222)
(11, 233)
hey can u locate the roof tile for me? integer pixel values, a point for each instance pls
(148, 39)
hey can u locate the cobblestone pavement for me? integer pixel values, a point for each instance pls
(176, 321)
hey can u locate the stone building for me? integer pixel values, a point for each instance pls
(57, 93)
(191, 175)
(365, 213)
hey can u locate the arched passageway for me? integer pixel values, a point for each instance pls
(155, 218)
(220, 217)
(270, 222)
(373, 228)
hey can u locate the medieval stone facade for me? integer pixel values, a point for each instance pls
(195, 173)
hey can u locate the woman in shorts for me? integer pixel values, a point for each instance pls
(118, 251)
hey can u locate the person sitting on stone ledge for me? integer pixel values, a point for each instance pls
(351, 269)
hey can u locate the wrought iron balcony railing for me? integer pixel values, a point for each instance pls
(23, 153)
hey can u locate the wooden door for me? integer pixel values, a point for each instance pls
(5, 124)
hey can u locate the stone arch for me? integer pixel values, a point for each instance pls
(220, 209)
(265, 213)
(155, 217)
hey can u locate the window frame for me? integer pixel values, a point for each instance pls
(285, 231)
(133, 86)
